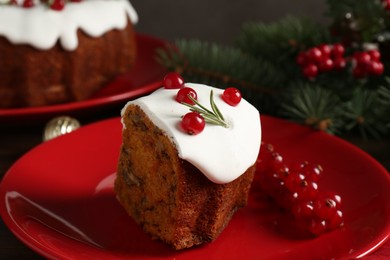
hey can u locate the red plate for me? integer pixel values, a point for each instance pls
(59, 200)
(143, 78)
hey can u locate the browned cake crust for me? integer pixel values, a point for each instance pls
(167, 196)
(32, 77)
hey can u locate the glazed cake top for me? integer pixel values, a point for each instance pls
(41, 27)
(221, 154)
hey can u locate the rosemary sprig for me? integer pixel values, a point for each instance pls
(212, 117)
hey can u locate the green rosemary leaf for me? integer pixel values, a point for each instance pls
(194, 109)
(214, 106)
(200, 105)
(212, 120)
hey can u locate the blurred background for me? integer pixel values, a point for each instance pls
(217, 20)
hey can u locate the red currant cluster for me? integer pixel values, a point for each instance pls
(322, 58)
(367, 63)
(328, 57)
(295, 188)
(56, 5)
(193, 122)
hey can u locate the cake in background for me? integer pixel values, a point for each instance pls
(181, 174)
(54, 52)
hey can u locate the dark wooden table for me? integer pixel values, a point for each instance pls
(17, 140)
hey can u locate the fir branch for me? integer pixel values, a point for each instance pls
(312, 105)
(276, 41)
(384, 100)
(384, 94)
(224, 64)
(364, 113)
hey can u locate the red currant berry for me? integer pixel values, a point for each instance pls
(326, 65)
(264, 158)
(276, 162)
(274, 178)
(28, 3)
(339, 63)
(326, 50)
(338, 50)
(312, 172)
(293, 181)
(277, 180)
(286, 199)
(362, 58)
(333, 196)
(13, 2)
(310, 71)
(376, 68)
(336, 221)
(272, 171)
(325, 208)
(232, 96)
(307, 190)
(193, 123)
(317, 227)
(375, 55)
(58, 5)
(265, 149)
(303, 210)
(183, 93)
(295, 166)
(314, 55)
(173, 80)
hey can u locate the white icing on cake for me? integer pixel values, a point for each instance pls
(221, 154)
(42, 27)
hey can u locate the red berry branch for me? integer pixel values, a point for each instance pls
(322, 58)
(367, 63)
(295, 188)
(328, 57)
